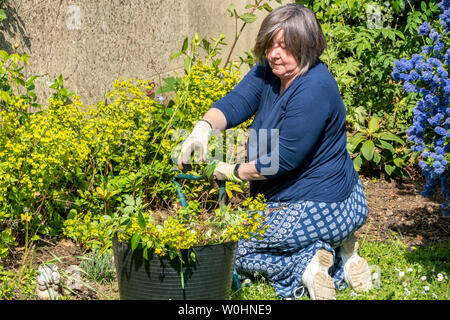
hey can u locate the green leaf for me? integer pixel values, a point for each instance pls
(141, 221)
(5, 96)
(373, 125)
(145, 253)
(389, 169)
(357, 162)
(398, 162)
(391, 137)
(423, 6)
(355, 140)
(187, 64)
(231, 8)
(135, 240)
(72, 214)
(2, 15)
(185, 45)
(4, 55)
(368, 149)
(384, 145)
(175, 55)
(267, 7)
(248, 17)
(376, 158)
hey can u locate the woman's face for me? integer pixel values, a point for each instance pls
(283, 63)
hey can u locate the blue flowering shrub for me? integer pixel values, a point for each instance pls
(426, 74)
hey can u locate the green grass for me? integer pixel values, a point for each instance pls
(399, 273)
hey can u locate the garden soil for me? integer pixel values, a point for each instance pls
(396, 210)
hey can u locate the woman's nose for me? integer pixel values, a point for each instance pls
(273, 53)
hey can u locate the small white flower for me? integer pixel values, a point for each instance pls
(375, 276)
(407, 292)
(247, 281)
(405, 284)
(410, 269)
(426, 288)
(260, 288)
(423, 278)
(353, 294)
(440, 277)
(401, 274)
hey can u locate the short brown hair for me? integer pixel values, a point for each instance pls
(303, 35)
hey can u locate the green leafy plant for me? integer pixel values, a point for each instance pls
(98, 267)
(363, 40)
(61, 93)
(379, 148)
(13, 82)
(17, 286)
(7, 240)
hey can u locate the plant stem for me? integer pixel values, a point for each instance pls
(237, 35)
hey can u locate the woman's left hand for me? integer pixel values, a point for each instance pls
(219, 170)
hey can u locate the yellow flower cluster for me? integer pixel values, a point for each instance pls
(203, 86)
(87, 230)
(256, 204)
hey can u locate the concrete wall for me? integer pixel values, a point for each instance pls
(93, 42)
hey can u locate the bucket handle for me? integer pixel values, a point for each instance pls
(195, 177)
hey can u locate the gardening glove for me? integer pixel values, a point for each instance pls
(199, 137)
(218, 170)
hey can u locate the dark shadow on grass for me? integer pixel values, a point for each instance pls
(429, 226)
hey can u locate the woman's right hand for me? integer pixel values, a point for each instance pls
(198, 138)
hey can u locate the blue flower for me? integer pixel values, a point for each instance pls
(409, 87)
(439, 46)
(434, 35)
(424, 29)
(426, 49)
(441, 131)
(413, 75)
(427, 74)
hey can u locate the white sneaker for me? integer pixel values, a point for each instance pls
(356, 269)
(319, 283)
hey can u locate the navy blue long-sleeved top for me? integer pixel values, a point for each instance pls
(297, 139)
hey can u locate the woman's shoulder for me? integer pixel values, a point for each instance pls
(318, 79)
(319, 72)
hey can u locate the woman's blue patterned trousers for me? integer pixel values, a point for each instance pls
(296, 231)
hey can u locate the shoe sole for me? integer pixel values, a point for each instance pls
(322, 282)
(360, 279)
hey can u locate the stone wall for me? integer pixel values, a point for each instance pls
(93, 42)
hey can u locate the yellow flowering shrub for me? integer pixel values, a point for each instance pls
(38, 155)
(48, 158)
(201, 87)
(120, 131)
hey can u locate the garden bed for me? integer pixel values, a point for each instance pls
(396, 210)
